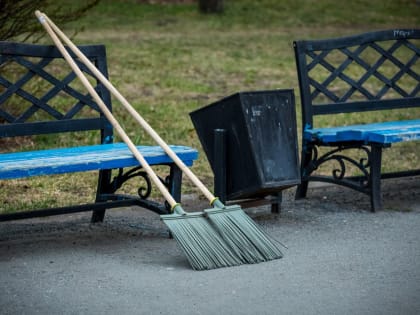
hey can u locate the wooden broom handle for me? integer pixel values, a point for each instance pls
(155, 136)
(106, 111)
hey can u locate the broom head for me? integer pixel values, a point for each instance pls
(246, 239)
(201, 243)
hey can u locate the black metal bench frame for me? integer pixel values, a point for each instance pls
(320, 96)
(25, 123)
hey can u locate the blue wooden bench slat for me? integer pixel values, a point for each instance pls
(392, 136)
(86, 158)
(386, 132)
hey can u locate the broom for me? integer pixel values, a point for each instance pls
(243, 235)
(201, 243)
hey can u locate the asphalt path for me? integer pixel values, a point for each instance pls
(340, 259)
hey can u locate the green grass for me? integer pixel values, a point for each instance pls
(169, 60)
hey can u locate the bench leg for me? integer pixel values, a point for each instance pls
(175, 182)
(97, 216)
(103, 187)
(302, 188)
(375, 178)
(276, 204)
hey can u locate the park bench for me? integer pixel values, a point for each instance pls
(40, 95)
(371, 72)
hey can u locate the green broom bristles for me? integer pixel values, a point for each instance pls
(243, 235)
(234, 236)
(201, 243)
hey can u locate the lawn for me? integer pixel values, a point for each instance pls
(168, 59)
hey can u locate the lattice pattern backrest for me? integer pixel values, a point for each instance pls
(369, 67)
(39, 90)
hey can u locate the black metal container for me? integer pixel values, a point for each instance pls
(261, 141)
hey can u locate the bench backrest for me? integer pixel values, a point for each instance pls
(40, 94)
(372, 71)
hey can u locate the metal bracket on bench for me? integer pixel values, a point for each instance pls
(338, 175)
(121, 178)
(144, 191)
(107, 194)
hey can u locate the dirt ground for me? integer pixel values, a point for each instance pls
(340, 259)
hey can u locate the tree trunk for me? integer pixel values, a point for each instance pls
(211, 6)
